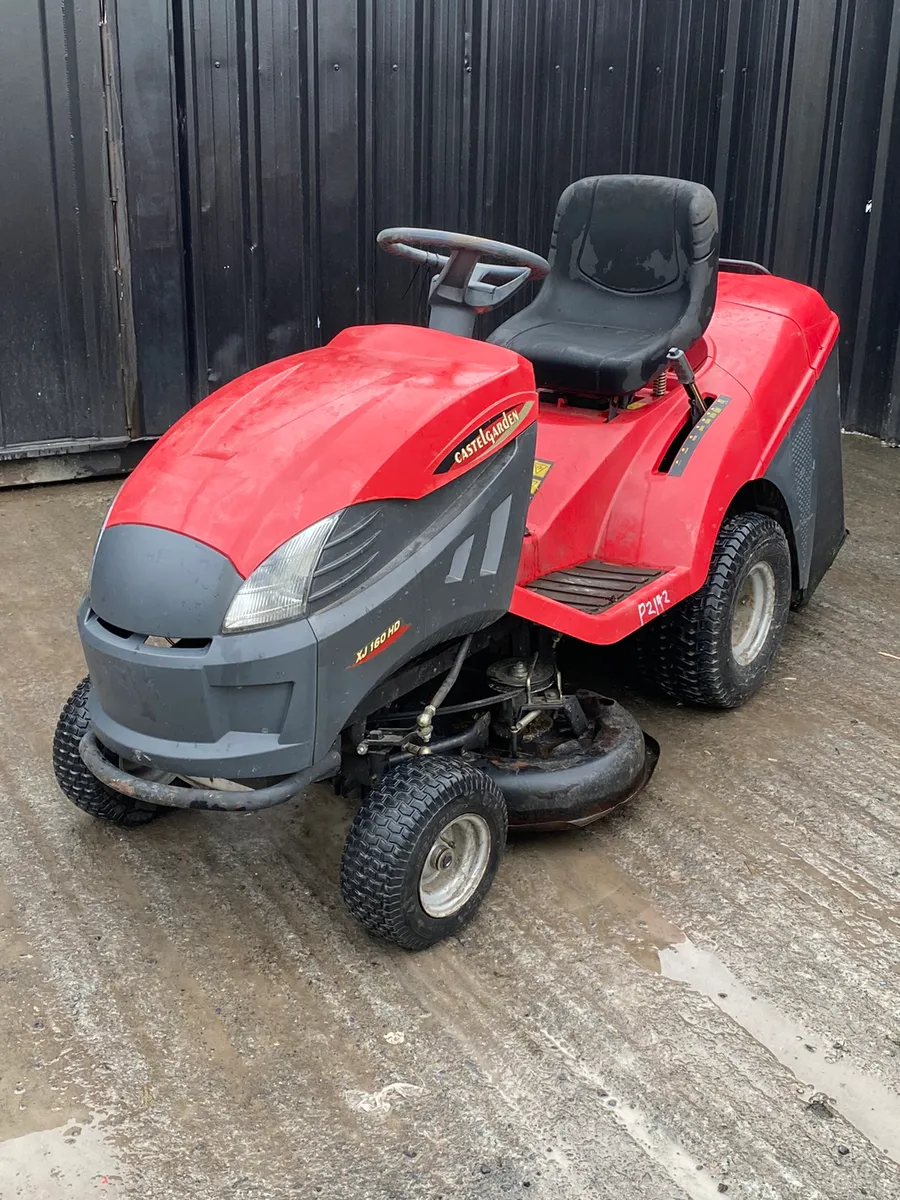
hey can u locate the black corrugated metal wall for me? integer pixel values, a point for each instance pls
(266, 141)
(59, 319)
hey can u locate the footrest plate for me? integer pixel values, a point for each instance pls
(593, 586)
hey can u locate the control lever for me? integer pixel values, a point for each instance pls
(684, 373)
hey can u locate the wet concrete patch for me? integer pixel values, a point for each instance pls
(613, 906)
(74, 1162)
(683, 1169)
(833, 1083)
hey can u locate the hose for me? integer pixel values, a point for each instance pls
(426, 717)
(452, 675)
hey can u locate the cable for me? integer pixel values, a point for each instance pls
(427, 715)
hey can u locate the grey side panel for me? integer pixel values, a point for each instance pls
(242, 706)
(807, 471)
(830, 529)
(793, 471)
(414, 594)
(155, 582)
(369, 537)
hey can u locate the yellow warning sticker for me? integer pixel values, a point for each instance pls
(539, 474)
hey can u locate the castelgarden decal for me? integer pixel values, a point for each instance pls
(487, 437)
(386, 638)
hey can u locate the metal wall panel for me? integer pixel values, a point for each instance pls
(264, 142)
(152, 114)
(308, 124)
(60, 377)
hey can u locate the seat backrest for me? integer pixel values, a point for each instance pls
(638, 236)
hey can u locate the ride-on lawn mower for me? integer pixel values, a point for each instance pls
(356, 563)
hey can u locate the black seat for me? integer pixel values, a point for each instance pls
(633, 267)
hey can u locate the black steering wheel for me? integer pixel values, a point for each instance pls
(463, 280)
(421, 246)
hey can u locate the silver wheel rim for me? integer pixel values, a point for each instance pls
(455, 865)
(754, 611)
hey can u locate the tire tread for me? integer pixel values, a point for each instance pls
(384, 836)
(76, 781)
(682, 651)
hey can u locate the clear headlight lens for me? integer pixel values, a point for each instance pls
(278, 590)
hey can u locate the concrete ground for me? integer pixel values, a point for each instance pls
(699, 996)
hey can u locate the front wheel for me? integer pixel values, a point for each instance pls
(715, 648)
(423, 851)
(76, 781)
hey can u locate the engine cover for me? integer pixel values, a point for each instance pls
(382, 412)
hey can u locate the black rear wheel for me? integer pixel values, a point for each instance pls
(715, 648)
(76, 781)
(423, 851)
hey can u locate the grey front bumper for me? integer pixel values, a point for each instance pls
(236, 707)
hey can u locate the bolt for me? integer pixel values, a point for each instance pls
(444, 860)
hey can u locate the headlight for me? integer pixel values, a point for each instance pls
(278, 589)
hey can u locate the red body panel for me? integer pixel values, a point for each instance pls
(377, 412)
(605, 498)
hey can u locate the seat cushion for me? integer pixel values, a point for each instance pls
(589, 359)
